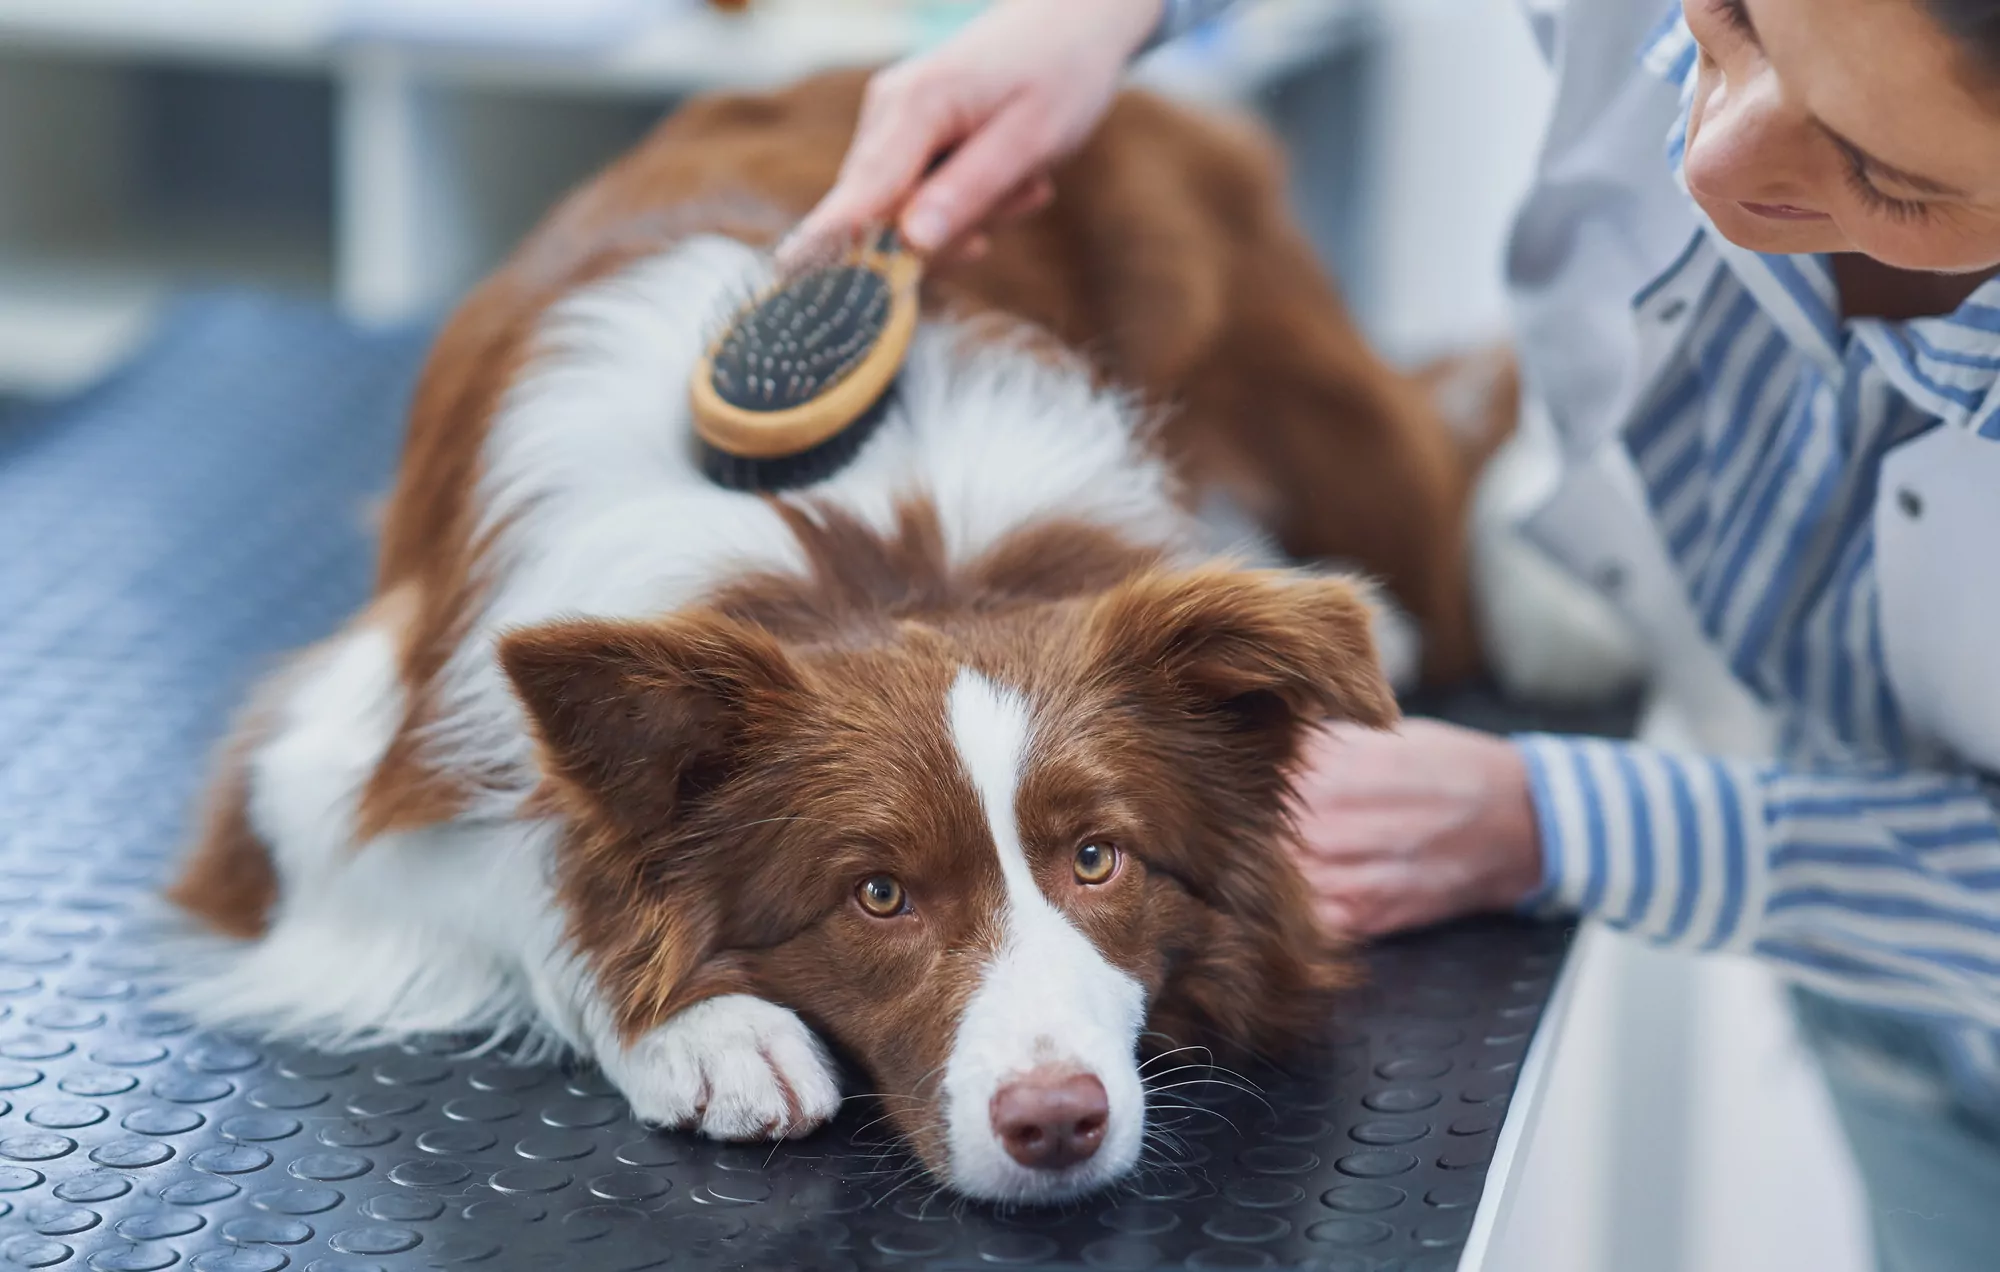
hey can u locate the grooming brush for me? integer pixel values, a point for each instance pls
(801, 377)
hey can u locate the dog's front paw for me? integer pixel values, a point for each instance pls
(733, 1068)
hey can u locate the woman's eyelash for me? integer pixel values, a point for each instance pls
(1857, 178)
(1737, 14)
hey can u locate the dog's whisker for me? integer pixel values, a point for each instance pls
(1221, 1117)
(886, 1166)
(1180, 1068)
(912, 1177)
(924, 1206)
(1219, 1074)
(1183, 1109)
(889, 1163)
(901, 1171)
(1149, 1061)
(1169, 1126)
(1221, 1082)
(873, 1122)
(1218, 1114)
(1248, 1083)
(1154, 1163)
(888, 1137)
(1218, 1082)
(935, 1072)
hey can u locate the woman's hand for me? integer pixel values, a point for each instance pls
(1020, 87)
(1414, 827)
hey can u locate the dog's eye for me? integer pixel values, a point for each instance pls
(881, 896)
(1096, 862)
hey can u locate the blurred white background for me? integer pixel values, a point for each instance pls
(382, 153)
(385, 152)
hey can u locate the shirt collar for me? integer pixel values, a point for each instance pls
(1949, 366)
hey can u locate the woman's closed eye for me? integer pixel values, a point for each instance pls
(1860, 180)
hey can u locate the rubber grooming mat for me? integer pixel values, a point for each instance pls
(161, 539)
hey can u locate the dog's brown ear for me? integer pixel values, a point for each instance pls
(637, 723)
(1259, 643)
(1232, 669)
(641, 718)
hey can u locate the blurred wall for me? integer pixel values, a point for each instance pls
(1458, 100)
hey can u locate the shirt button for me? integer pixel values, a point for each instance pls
(1673, 310)
(1910, 502)
(1609, 577)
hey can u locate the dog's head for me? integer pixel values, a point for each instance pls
(979, 852)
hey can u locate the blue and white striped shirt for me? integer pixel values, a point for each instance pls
(1865, 863)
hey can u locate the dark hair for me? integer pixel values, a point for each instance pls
(1974, 24)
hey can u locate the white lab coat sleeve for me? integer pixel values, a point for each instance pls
(1878, 886)
(1603, 217)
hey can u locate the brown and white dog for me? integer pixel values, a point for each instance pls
(971, 761)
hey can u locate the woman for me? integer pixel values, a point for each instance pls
(1755, 289)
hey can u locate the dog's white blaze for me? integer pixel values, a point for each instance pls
(1047, 997)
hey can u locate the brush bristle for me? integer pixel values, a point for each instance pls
(801, 340)
(790, 472)
(793, 346)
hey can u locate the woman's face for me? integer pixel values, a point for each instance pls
(1844, 126)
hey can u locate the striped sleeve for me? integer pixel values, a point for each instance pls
(1879, 887)
(1178, 17)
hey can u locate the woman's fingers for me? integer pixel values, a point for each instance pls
(1023, 82)
(1337, 920)
(893, 144)
(970, 185)
(1031, 197)
(1364, 902)
(972, 247)
(1027, 198)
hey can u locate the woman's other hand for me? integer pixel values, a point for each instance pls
(1403, 829)
(1020, 87)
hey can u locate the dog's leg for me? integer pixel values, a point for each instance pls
(733, 1067)
(354, 942)
(228, 881)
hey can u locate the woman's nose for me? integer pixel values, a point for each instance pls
(1748, 144)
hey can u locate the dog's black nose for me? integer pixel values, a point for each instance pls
(1049, 1119)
